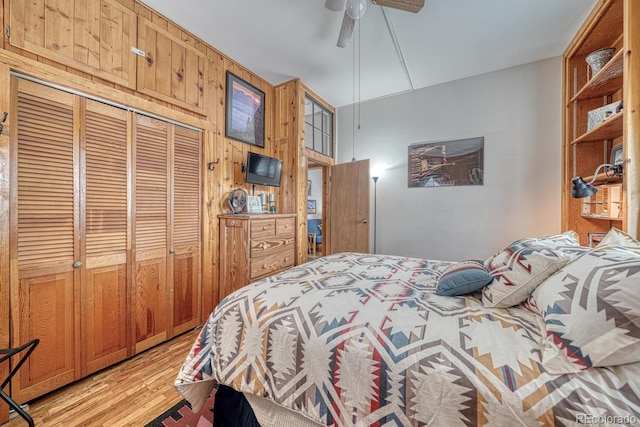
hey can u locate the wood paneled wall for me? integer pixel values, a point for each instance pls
(289, 135)
(162, 88)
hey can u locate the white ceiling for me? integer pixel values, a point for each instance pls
(448, 40)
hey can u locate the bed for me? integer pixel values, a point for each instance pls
(356, 339)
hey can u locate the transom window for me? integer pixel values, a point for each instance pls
(318, 127)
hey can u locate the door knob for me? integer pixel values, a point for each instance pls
(364, 221)
(77, 264)
(172, 251)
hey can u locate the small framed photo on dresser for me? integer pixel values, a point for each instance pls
(254, 204)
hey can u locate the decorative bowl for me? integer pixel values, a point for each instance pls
(598, 58)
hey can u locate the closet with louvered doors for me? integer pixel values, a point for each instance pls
(45, 235)
(104, 285)
(167, 231)
(68, 235)
(105, 234)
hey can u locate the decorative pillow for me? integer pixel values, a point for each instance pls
(591, 309)
(463, 278)
(568, 243)
(518, 270)
(617, 237)
(568, 238)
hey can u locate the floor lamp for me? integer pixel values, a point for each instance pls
(375, 211)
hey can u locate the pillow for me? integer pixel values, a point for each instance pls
(519, 269)
(591, 311)
(568, 243)
(568, 238)
(617, 237)
(463, 278)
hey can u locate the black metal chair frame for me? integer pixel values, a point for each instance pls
(6, 355)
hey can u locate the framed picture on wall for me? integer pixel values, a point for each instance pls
(311, 206)
(446, 163)
(244, 111)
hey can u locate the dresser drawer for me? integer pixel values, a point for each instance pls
(263, 228)
(262, 247)
(285, 227)
(272, 262)
(235, 223)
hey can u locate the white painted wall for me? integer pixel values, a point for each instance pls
(519, 113)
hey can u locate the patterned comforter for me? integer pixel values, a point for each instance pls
(359, 339)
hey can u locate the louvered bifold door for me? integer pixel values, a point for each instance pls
(45, 243)
(150, 232)
(104, 289)
(185, 233)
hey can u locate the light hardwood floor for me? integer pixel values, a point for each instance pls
(131, 393)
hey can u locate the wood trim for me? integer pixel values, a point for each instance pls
(595, 14)
(631, 141)
(171, 132)
(5, 188)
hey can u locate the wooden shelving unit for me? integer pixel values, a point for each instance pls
(612, 23)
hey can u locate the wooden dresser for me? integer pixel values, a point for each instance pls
(254, 246)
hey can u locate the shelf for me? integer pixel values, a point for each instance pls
(607, 81)
(605, 218)
(610, 129)
(605, 204)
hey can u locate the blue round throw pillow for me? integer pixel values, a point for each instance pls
(463, 278)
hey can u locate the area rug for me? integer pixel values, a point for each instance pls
(181, 415)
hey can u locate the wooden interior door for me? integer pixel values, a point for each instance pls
(349, 188)
(45, 243)
(150, 231)
(185, 232)
(104, 286)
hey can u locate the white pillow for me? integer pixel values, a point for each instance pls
(518, 270)
(591, 310)
(617, 237)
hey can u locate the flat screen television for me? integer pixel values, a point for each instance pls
(263, 170)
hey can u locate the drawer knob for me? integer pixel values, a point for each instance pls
(264, 228)
(264, 266)
(264, 246)
(286, 226)
(77, 264)
(286, 259)
(232, 222)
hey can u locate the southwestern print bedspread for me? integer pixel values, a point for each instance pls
(363, 340)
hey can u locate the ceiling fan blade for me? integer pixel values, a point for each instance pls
(407, 5)
(334, 5)
(346, 31)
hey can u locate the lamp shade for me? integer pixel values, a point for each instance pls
(580, 189)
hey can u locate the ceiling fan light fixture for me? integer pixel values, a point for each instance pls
(356, 8)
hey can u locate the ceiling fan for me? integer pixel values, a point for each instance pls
(355, 9)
